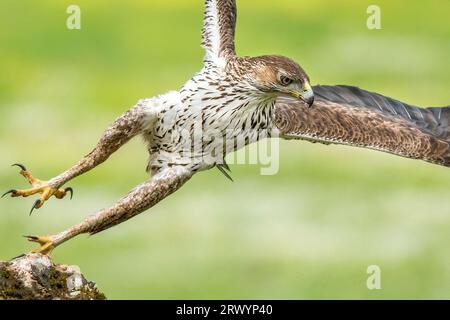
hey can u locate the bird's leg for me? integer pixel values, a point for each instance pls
(46, 243)
(138, 200)
(38, 186)
(121, 131)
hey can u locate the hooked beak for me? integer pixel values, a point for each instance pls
(307, 95)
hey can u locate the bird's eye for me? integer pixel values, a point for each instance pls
(285, 81)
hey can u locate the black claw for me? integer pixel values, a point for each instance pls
(36, 203)
(18, 257)
(21, 166)
(9, 191)
(31, 238)
(69, 189)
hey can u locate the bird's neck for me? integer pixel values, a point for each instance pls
(228, 104)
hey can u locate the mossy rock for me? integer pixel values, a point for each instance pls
(36, 277)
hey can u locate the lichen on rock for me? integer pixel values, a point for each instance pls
(36, 277)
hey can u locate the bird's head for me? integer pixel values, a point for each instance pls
(279, 76)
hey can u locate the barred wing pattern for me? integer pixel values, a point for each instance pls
(352, 116)
(218, 30)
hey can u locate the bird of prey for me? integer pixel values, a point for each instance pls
(232, 102)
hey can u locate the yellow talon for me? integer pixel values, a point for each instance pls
(46, 243)
(38, 186)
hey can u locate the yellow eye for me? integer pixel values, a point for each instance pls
(285, 81)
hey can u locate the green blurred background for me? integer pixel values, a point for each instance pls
(310, 231)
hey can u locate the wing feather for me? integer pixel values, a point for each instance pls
(219, 30)
(352, 116)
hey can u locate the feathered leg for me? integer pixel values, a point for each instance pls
(121, 131)
(138, 200)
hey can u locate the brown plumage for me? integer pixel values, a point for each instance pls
(232, 102)
(219, 28)
(351, 116)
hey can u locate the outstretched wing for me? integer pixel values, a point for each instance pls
(351, 116)
(218, 30)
